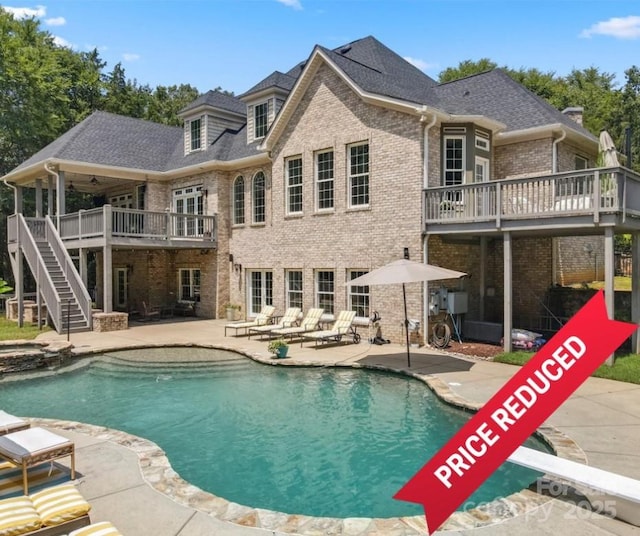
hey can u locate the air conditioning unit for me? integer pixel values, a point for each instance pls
(458, 303)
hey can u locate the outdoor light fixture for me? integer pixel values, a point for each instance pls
(406, 253)
(94, 181)
(71, 187)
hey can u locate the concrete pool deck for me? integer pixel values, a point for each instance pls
(602, 417)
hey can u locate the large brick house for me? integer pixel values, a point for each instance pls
(316, 175)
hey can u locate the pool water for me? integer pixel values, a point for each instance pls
(314, 441)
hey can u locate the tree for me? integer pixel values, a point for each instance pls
(629, 114)
(466, 68)
(166, 102)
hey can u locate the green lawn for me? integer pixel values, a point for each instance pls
(10, 331)
(619, 283)
(626, 368)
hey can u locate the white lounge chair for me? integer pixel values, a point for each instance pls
(309, 323)
(342, 326)
(261, 319)
(10, 423)
(289, 318)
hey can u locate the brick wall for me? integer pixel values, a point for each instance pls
(523, 158)
(330, 115)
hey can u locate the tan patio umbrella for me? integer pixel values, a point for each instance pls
(607, 150)
(405, 271)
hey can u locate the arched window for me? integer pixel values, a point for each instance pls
(258, 195)
(238, 201)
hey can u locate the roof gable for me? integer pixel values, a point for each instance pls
(217, 100)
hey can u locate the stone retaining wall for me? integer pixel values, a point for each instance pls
(110, 321)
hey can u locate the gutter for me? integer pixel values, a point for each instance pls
(15, 194)
(554, 152)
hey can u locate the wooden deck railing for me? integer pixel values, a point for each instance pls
(120, 222)
(589, 191)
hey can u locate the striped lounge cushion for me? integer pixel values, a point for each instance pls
(58, 504)
(18, 516)
(104, 528)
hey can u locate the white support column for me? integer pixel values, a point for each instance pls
(483, 275)
(425, 291)
(20, 284)
(60, 201)
(19, 199)
(508, 292)
(38, 198)
(107, 268)
(50, 196)
(609, 296)
(635, 289)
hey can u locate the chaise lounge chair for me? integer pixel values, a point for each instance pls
(289, 319)
(309, 323)
(342, 326)
(53, 511)
(35, 446)
(10, 423)
(261, 319)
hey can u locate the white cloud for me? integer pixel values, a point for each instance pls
(128, 56)
(620, 27)
(26, 12)
(420, 64)
(295, 4)
(55, 21)
(62, 42)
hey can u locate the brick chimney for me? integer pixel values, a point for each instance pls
(575, 113)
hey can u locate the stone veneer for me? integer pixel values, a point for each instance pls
(110, 321)
(158, 473)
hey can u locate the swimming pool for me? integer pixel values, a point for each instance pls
(314, 441)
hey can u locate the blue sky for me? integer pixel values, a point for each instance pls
(235, 43)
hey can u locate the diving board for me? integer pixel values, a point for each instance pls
(623, 492)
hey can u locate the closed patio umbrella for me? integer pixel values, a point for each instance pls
(607, 148)
(405, 271)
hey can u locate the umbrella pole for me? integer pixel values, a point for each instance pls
(406, 324)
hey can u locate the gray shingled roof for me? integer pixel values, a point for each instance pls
(221, 101)
(496, 95)
(114, 140)
(109, 139)
(377, 69)
(274, 80)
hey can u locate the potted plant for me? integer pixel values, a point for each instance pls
(278, 347)
(233, 310)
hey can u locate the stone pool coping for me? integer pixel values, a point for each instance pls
(158, 473)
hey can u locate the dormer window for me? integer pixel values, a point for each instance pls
(196, 134)
(260, 120)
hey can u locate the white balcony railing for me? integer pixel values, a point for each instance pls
(584, 192)
(119, 222)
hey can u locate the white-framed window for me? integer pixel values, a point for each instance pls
(482, 143)
(141, 192)
(580, 162)
(294, 288)
(325, 290)
(189, 284)
(195, 131)
(358, 295)
(453, 160)
(481, 171)
(324, 180)
(120, 290)
(260, 291)
(293, 168)
(260, 120)
(238, 200)
(358, 167)
(121, 201)
(188, 203)
(258, 190)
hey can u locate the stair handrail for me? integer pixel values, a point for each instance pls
(69, 269)
(39, 270)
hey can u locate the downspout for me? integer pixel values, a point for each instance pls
(554, 152)
(15, 194)
(425, 255)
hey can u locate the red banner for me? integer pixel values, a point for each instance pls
(514, 412)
